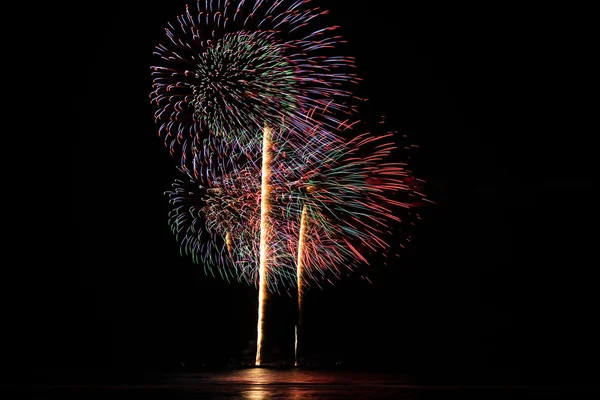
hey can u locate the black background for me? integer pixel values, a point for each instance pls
(497, 283)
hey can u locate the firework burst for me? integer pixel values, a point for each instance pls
(216, 218)
(279, 190)
(351, 194)
(227, 68)
(354, 197)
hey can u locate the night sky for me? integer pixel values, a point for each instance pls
(497, 281)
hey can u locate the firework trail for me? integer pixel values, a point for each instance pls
(353, 196)
(265, 229)
(215, 216)
(330, 203)
(349, 195)
(228, 67)
(344, 199)
(281, 212)
(299, 277)
(215, 223)
(309, 211)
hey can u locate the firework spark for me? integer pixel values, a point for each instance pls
(216, 218)
(300, 277)
(226, 68)
(277, 194)
(352, 194)
(331, 203)
(265, 229)
(312, 211)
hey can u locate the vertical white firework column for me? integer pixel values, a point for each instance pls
(299, 270)
(264, 237)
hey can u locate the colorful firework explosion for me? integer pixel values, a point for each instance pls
(276, 194)
(351, 193)
(231, 66)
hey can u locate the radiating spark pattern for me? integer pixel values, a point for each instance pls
(353, 197)
(216, 218)
(228, 67)
(216, 225)
(280, 189)
(331, 204)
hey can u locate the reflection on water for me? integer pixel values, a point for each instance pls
(295, 383)
(274, 383)
(286, 376)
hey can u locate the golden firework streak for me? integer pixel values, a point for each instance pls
(299, 268)
(229, 244)
(264, 234)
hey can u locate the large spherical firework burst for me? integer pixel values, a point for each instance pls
(352, 195)
(240, 82)
(215, 216)
(228, 67)
(216, 223)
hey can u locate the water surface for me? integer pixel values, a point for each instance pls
(290, 383)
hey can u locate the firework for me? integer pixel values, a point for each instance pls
(216, 212)
(265, 231)
(299, 278)
(227, 68)
(274, 194)
(330, 203)
(297, 209)
(353, 196)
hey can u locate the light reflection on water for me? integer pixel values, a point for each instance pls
(290, 376)
(289, 384)
(295, 383)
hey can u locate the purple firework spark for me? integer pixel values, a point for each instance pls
(228, 67)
